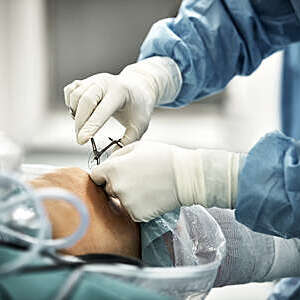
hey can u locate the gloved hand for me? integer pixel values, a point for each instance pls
(152, 178)
(130, 97)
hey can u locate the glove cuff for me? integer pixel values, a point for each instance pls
(207, 177)
(190, 185)
(162, 74)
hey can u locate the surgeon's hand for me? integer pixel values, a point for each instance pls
(152, 178)
(130, 97)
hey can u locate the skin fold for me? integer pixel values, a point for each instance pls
(111, 230)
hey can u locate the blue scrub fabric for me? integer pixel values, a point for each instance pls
(269, 187)
(286, 289)
(154, 249)
(290, 98)
(214, 40)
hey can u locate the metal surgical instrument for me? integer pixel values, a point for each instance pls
(97, 154)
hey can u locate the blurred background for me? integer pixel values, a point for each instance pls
(46, 44)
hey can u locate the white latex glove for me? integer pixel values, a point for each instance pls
(152, 178)
(130, 97)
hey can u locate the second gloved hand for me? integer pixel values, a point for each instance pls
(130, 97)
(152, 178)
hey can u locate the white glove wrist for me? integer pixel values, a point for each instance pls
(189, 180)
(162, 75)
(207, 177)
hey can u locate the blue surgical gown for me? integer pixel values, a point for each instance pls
(214, 40)
(269, 187)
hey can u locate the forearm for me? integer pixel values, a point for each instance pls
(241, 34)
(251, 256)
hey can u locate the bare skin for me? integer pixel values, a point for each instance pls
(110, 231)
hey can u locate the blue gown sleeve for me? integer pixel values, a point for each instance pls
(214, 40)
(269, 187)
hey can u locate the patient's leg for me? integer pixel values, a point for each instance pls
(110, 231)
(252, 256)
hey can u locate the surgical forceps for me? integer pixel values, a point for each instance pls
(97, 154)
